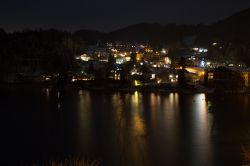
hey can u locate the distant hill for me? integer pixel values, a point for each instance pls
(146, 32)
(138, 32)
(155, 33)
(235, 27)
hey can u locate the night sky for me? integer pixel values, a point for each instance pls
(107, 15)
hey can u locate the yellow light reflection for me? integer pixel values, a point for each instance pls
(154, 106)
(119, 113)
(58, 94)
(138, 126)
(84, 119)
(58, 100)
(136, 98)
(153, 101)
(171, 98)
(201, 112)
(137, 131)
(201, 129)
(171, 110)
(47, 92)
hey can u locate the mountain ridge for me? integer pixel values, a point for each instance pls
(233, 27)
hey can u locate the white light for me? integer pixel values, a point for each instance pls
(166, 66)
(73, 80)
(114, 50)
(152, 76)
(133, 72)
(164, 51)
(141, 64)
(167, 60)
(195, 49)
(103, 60)
(47, 78)
(120, 60)
(202, 64)
(201, 50)
(84, 57)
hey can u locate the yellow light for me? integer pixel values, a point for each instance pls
(128, 58)
(137, 83)
(159, 81)
(136, 97)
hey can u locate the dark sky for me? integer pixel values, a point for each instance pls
(107, 15)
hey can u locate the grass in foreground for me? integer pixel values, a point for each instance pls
(70, 162)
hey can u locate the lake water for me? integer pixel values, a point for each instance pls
(118, 128)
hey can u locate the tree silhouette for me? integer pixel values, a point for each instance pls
(182, 71)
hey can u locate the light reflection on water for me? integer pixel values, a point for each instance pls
(84, 122)
(200, 131)
(132, 128)
(138, 124)
(135, 130)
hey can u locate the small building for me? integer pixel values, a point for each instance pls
(194, 74)
(229, 78)
(246, 78)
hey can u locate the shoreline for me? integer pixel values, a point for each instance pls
(162, 88)
(111, 85)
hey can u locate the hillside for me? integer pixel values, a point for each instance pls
(235, 27)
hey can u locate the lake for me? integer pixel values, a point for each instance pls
(39, 124)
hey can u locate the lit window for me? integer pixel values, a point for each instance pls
(210, 76)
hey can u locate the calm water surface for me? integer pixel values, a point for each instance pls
(116, 128)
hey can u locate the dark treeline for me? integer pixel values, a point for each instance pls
(47, 51)
(230, 52)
